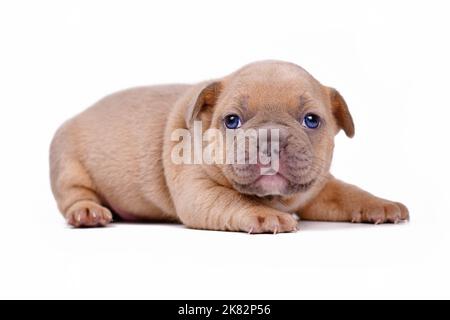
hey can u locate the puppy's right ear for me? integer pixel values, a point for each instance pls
(340, 111)
(203, 102)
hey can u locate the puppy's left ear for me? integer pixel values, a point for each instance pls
(340, 112)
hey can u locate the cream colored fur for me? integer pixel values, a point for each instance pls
(115, 157)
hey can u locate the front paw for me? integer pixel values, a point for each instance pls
(378, 211)
(269, 221)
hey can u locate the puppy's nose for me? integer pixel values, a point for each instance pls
(276, 134)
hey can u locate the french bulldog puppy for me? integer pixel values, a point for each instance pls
(117, 157)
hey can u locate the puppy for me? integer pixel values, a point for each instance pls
(117, 157)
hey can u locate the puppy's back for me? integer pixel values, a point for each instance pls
(117, 144)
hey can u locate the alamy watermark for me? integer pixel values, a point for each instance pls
(236, 146)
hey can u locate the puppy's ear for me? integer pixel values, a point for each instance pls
(340, 112)
(202, 102)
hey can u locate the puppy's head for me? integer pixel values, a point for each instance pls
(291, 106)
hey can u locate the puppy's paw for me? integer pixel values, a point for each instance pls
(268, 222)
(380, 211)
(88, 214)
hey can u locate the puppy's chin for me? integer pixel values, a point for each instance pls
(272, 185)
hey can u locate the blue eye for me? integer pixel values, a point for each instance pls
(311, 121)
(232, 121)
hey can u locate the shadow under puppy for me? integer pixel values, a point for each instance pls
(117, 156)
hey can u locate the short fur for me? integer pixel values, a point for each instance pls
(115, 157)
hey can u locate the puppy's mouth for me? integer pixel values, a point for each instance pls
(271, 185)
(293, 171)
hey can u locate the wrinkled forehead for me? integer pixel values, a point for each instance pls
(273, 87)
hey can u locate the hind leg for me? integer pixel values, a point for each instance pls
(86, 213)
(75, 194)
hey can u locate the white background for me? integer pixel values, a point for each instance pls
(389, 60)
